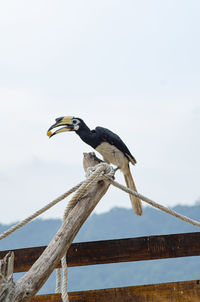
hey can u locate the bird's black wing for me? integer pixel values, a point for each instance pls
(105, 135)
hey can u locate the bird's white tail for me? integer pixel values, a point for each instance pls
(135, 201)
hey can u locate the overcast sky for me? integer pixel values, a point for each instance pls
(130, 66)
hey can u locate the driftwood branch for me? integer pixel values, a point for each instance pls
(26, 287)
(6, 276)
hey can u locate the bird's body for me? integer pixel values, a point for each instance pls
(109, 145)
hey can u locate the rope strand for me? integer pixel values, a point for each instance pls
(92, 177)
(153, 203)
(64, 295)
(58, 280)
(39, 212)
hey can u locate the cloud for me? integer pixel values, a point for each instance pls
(102, 48)
(123, 66)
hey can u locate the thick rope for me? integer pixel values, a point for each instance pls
(64, 294)
(94, 175)
(153, 203)
(58, 280)
(39, 212)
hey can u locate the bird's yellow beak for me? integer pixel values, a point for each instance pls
(65, 121)
(49, 133)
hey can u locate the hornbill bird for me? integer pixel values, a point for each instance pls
(108, 144)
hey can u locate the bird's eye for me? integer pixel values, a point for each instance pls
(74, 122)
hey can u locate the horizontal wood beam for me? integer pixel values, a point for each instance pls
(187, 291)
(119, 250)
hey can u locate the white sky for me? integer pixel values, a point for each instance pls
(130, 66)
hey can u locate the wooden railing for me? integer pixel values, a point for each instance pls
(124, 250)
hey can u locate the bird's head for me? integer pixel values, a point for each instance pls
(65, 123)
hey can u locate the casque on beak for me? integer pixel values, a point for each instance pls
(65, 121)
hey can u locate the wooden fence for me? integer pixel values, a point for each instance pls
(124, 250)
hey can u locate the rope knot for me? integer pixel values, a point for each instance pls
(102, 170)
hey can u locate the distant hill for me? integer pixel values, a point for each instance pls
(118, 223)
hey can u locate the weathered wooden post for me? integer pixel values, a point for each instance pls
(27, 286)
(6, 275)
